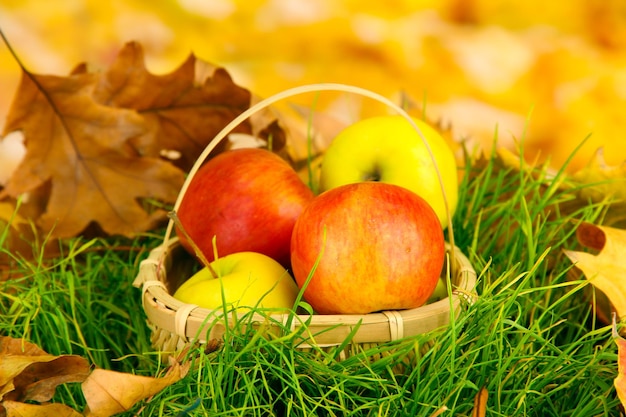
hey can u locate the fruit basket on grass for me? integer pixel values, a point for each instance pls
(175, 323)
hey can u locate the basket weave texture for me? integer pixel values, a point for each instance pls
(175, 324)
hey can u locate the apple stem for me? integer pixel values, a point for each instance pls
(174, 217)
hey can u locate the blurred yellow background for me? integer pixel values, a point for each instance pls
(551, 72)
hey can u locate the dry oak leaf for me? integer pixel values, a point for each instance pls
(80, 148)
(606, 270)
(184, 109)
(109, 392)
(29, 373)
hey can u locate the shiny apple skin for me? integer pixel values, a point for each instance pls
(249, 199)
(388, 149)
(380, 247)
(245, 279)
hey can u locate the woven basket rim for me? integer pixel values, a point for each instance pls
(188, 322)
(185, 321)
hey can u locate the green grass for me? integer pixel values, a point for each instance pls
(531, 338)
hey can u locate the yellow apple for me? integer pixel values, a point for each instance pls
(389, 150)
(247, 279)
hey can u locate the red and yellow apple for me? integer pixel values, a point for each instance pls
(249, 199)
(245, 279)
(388, 149)
(369, 246)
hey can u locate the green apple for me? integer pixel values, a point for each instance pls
(388, 149)
(440, 292)
(247, 279)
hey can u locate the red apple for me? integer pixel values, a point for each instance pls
(380, 247)
(249, 199)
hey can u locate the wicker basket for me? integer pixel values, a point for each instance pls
(175, 324)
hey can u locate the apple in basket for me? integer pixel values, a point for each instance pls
(367, 246)
(249, 199)
(389, 149)
(244, 279)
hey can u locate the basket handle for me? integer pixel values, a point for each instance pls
(311, 88)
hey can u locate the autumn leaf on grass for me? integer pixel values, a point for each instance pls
(109, 392)
(80, 149)
(29, 373)
(18, 409)
(480, 403)
(184, 109)
(607, 269)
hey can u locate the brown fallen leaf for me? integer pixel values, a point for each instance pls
(101, 145)
(109, 392)
(18, 409)
(480, 403)
(29, 373)
(606, 270)
(184, 109)
(39, 380)
(80, 148)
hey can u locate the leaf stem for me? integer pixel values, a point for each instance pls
(179, 225)
(12, 51)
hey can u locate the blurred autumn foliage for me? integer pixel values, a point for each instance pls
(475, 63)
(549, 74)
